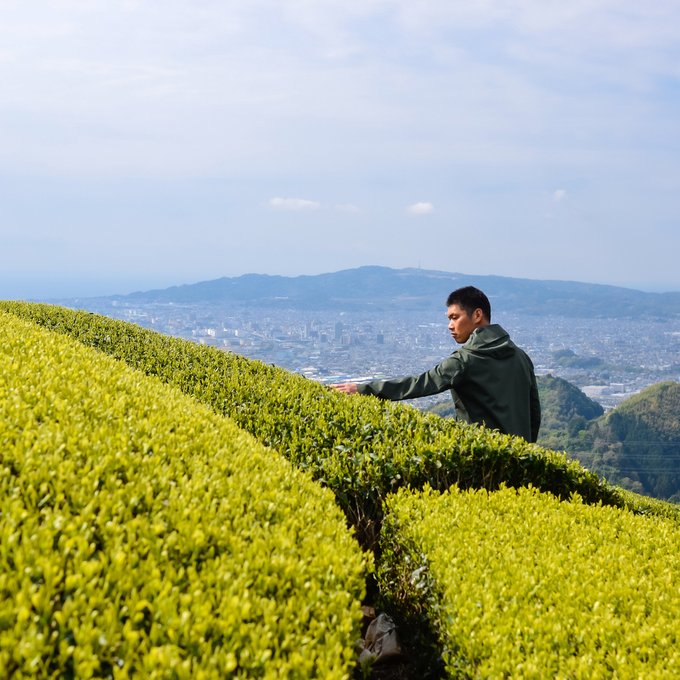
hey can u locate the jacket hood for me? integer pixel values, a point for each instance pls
(491, 340)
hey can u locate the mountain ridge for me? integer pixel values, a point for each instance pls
(373, 287)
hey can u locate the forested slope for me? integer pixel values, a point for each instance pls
(638, 443)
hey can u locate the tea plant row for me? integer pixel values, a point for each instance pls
(142, 535)
(519, 584)
(361, 448)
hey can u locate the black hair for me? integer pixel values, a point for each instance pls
(470, 298)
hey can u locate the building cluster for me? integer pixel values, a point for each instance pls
(610, 359)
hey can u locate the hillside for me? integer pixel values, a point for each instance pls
(565, 411)
(638, 443)
(635, 445)
(379, 288)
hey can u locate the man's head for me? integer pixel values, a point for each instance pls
(467, 309)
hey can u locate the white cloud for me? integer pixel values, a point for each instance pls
(559, 195)
(295, 204)
(422, 208)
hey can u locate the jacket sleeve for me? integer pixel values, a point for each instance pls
(438, 379)
(535, 408)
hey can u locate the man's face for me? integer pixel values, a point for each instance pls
(461, 324)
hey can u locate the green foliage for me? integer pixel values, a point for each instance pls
(361, 448)
(561, 401)
(141, 535)
(444, 409)
(656, 408)
(518, 584)
(566, 411)
(637, 444)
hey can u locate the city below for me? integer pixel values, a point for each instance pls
(608, 359)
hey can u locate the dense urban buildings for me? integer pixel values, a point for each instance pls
(608, 359)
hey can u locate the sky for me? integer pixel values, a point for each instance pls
(146, 144)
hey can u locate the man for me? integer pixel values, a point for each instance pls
(492, 381)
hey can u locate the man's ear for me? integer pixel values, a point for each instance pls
(478, 316)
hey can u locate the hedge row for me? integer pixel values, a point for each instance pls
(361, 448)
(519, 584)
(141, 535)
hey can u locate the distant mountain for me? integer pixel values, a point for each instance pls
(380, 288)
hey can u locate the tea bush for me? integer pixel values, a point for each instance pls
(142, 535)
(361, 448)
(517, 583)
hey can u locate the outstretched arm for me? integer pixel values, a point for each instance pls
(442, 377)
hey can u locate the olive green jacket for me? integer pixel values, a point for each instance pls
(491, 380)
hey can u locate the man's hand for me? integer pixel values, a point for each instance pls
(347, 388)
